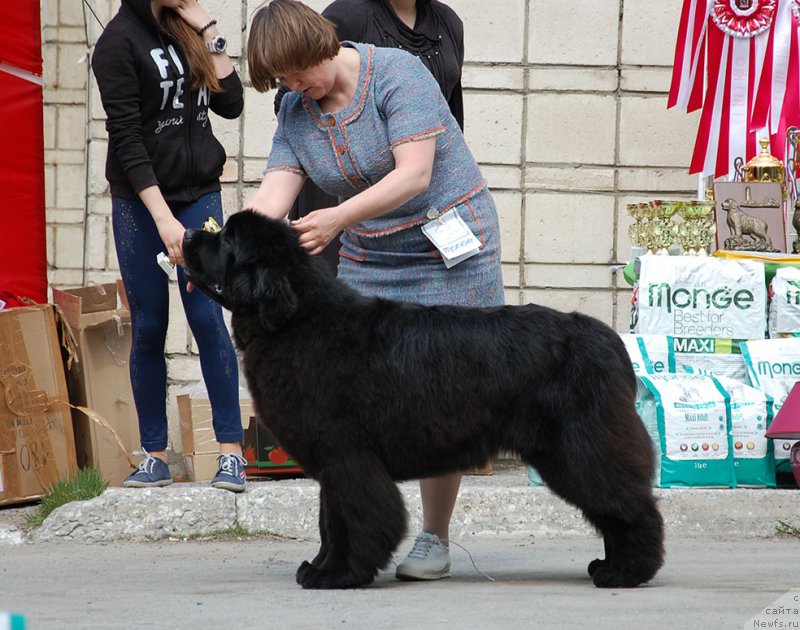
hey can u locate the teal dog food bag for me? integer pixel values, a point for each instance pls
(693, 416)
(751, 408)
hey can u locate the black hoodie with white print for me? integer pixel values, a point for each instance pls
(159, 130)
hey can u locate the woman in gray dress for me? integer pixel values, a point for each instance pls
(371, 127)
(428, 29)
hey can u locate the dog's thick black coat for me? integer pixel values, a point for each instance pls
(364, 392)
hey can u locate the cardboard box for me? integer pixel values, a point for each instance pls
(200, 466)
(200, 449)
(100, 379)
(263, 453)
(84, 300)
(37, 445)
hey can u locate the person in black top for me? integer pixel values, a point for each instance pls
(160, 66)
(433, 32)
(426, 28)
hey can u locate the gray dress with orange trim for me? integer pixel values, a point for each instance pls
(396, 101)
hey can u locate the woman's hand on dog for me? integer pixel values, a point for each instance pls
(317, 229)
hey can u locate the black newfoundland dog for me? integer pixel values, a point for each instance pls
(364, 392)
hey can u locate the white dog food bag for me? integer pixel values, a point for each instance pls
(649, 353)
(784, 303)
(753, 460)
(693, 418)
(708, 355)
(774, 367)
(700, 296)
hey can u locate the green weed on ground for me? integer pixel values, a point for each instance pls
(788, 530)
(235, 532)
(86, 484)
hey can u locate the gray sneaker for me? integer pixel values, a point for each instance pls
(429, 559)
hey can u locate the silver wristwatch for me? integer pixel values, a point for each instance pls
(217, 45)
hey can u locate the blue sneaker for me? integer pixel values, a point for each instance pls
(230, 474)
(152, 473)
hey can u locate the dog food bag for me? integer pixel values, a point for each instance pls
(701, 296)
(708, 355)
(784, 304)
(753, 460)
(693, 417)
(649, 353)
(647, 410)
(774, 367)
(534, 478)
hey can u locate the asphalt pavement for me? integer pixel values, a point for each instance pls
(706, 583)
(173, 558)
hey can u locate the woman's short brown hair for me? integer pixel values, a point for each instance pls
(285, 37)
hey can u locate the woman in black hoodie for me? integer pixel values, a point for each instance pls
(160, 66)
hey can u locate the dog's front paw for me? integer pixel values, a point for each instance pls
(596, 564)
(311, 577)
(604, 575)
(301, 572)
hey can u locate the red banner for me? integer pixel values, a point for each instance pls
(23, 254)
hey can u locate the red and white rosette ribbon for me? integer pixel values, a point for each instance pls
(777, 106)
(743, 18)
(725, 45)
(688, 70)
(738, 60)
(785, 112)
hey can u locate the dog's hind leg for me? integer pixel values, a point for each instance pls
(364, 521)
(605, 469)
(634, 548)
(630, 523)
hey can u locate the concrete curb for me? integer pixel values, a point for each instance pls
(497, 505)
(11, 535)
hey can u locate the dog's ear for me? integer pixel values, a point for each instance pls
(276, 302)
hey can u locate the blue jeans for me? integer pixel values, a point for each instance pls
(147, 287)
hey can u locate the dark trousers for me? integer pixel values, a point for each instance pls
(147, 287)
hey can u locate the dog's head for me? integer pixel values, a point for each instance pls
(245, 266)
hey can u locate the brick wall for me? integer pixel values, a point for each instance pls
(565, 112)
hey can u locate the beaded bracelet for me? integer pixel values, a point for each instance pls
(204, 28)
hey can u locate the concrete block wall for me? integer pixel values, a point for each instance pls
(565, 112)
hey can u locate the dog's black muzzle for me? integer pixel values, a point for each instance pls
(193, 269)
(191, 260)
